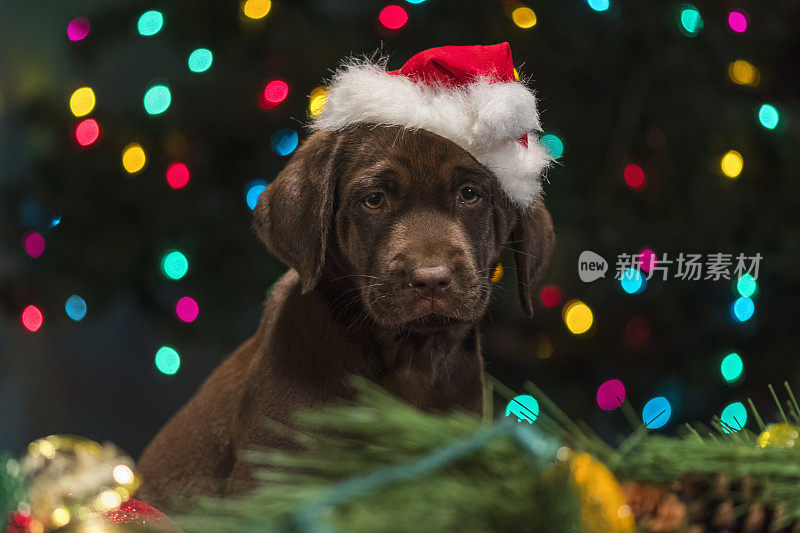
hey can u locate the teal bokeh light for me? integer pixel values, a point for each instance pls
(768, 116)
(734, 417)
(75, 307)
(150, 23)
(200, 60)
(746, 285)
(167, 360)
(174, 264)
(157, 99)
(524, 407)
(691, 22)
(553, 145)
(732, 367)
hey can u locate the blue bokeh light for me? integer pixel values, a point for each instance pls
(598, 5)
(284, 141)
(75, 307)
(632, 281)
(656, 413)
(252, 191)
(743, 309)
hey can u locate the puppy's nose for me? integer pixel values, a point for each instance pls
(432, 280)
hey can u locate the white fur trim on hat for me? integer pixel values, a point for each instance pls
(485, 118)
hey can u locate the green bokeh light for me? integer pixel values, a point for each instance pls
(200, 60)
(174, 264)
(157, 99)
(768, 116)
(691, 20)
(553, 145)
(734, 417)
(732, 367)
(150, 23)
(167, 360)
(746, 285)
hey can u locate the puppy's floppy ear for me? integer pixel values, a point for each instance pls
(294, 213)
(532, 241)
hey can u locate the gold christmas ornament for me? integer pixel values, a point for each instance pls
(781, 435)
(603, 505)
(76, 480)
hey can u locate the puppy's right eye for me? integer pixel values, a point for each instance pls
(374, 200)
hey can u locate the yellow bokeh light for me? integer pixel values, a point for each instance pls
(108, 500)
(524, 17)
(516, 74)
(256, 9)
(578, 317)
(59, 517)
(317, 100)
(133, 158)
(82, 101)
(743, 72)
(123, 474)
(497, 275)
(732, 164)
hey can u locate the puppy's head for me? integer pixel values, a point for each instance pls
(412, 222)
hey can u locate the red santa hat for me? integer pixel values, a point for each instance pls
(470, 95)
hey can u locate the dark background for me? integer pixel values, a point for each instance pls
(621, 86)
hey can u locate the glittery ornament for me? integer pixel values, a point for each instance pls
(779, 435)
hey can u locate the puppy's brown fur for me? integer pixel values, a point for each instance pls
(391, 236)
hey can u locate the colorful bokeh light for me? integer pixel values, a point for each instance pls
(252, 191)
(691, 22)
(393, 17)
(553, 145)
(87, 132)
(78, 29)
(599, 5)
(737, 21)
(200, 60)
(32, 318)
(743, 72)
(273, 94)
(732, 164)
(734, 417)
(150, 23)
(524, 407)
(167, 360)
(731, 367)
(524, 17)
(82, 101)
(632, 281)
(746, 285)
(133, 158)
(284, 141)
(317, 100)
(578, 317)
(33, 243)
(634, 176)
(610, 395)
(187, 309)
(768, 116)
(550, 296)
(157, 99)
(174, 264)
(743, 309)
(178, 175)
(75, 307)
(656, 413)
(647, 259)
(256, 9)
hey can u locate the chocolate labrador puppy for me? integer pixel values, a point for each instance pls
(391, 236)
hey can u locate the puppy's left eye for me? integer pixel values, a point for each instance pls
(468, 195)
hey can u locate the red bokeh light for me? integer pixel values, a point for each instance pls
(34, 244)
(393, 17)
(273, 94)
(637, 331)
(32, 318)
(178, 175)
(550, 296)
(634, 176)
(87, 131)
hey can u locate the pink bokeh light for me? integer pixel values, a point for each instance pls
(647, 259)
(737, 21)
(187, 309)
(610, 395)
(34, 244)
(78, 29)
